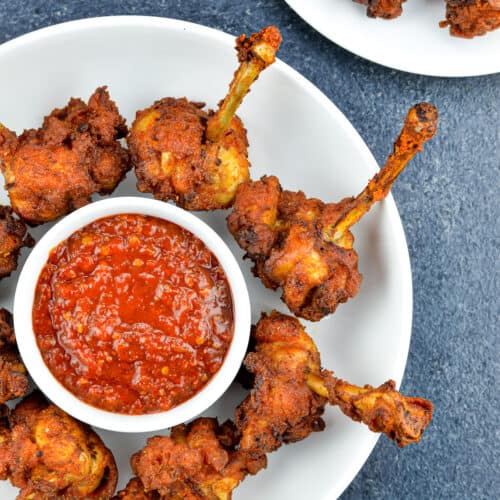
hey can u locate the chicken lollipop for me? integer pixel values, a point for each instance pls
(13, 237)
(194, 157)
(290, 391)
(470, 18)
(386, 9)
(53, 170)
(14, 381)
(197, 461)
(305, 245)
(48, 454)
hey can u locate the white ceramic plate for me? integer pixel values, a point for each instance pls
(294, 132)
(413, 42)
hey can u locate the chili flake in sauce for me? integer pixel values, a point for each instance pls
(133, 314)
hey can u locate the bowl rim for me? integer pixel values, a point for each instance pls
(65, 399)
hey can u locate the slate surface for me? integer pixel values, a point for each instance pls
(450, 211)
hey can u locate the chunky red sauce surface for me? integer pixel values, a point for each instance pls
(133, 314)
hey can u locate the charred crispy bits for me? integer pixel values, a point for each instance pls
(382, 409)
(194, 157)
(48, 454)
(304, 245)
(280, 407)
(135, 491)
(53, 170)
(13, 237)
(14, 381)
(291, 390)
(197, 461)
(470, 18)
(255, 53)
(386, 9)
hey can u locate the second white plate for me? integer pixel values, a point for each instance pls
(413, 42)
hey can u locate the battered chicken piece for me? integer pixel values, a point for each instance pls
(48, 454)
(53, 170)
(290, 392)
(197, 461)
(194, 157)
(304, 245)
(135, 491)
(470, 18)
(13, 237)
(14, 381)
(386, 9)
(280, 408)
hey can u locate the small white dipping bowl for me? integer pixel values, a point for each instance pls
(57, 393)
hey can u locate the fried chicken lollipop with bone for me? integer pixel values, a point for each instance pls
(197, 461)
(194, 157)
(13, 237)
(14, 381)
(53, 170)
(304, 245)
(203, 460)
(290, 391)
(48, 454)
(386, 9)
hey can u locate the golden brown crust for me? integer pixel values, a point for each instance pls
(290, 391)
(48, 454)
(135, 491)
(280, 407)
(198, 158)
(174, 162)
(470, 18)
(197, 461)
(13, 237)
(269, 36)
(53, 170)
(14, 381)
(282, 232)
(253, 219)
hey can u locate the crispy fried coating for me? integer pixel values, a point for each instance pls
(304, 245)
(197, 461)
(174, 162)
(386, 9)
(53, 170)
(13, 237)
(282, 232)
(14, 381)
(198, 158)
(135, 491)
(470, 18)
(290, 392)
(280, 408)
(383, 409)
(205, 460)
(48, 454)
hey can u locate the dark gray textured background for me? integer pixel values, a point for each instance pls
(449, 203)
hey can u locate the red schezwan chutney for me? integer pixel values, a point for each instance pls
(133, 314)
